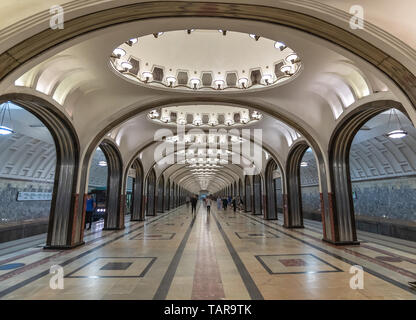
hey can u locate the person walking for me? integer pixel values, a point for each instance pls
(188, 200)
(234, 204)
(89, 210)
(219, 203)
(194, 201)
(224, 203)
(209, 203)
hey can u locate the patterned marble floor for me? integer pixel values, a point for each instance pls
(223, 255)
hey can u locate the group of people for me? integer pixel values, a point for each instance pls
(234, 202)
(230, 201)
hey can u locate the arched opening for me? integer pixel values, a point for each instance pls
(273, 185)
(247, 194)
(167, 195)
(235, 189)
(114, 215)
(309, 181)
(160, 194)
(97, 191)
(294, 213)
(240, 189)
(372, 173)
(55, 161)
(172, 195)
(137, 212)
(257, 195)
(151, 193)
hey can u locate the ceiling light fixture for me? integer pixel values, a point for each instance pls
(102, 164)
(253, 36)
(156, 35)
(4, 111)
(118, 53)
(132, 41)
(280, 45)
(398, 133)
(286, 69)
(170, 80)
(304, 164)
(219, 84)
(292, 58)
(243, 82)
(126, 66)
(256, 115)
(195, 82)
(267, 78)
(147, 76)
(224, 32)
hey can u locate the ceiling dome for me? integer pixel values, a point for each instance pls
(205, 60)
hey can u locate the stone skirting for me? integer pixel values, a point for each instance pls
(19, 231)
(402, 230)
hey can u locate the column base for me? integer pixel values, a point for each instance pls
(137, 219)
(47, 247)
(270, 219)
(342, 243)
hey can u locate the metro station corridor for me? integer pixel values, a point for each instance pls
(293, 120)
(224, 255)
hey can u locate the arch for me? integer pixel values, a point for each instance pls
(343, 226)
(160, 194)
(137, 212)
(257, 195)
(151, 193)
(247, 194)
(293, 215)
(65, 224)
(27, 49)
(172, 196)
(167, 195)
(114, 218)
(271, 197)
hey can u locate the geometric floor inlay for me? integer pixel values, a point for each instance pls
(153, 236)
(114, 267)
(295, 264)
(255, 235)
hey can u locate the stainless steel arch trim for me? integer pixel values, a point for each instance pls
(63, 219)
(342, 209)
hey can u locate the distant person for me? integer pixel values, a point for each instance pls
(194, 201)
(208, 201)
(90, 210)
(234, 204)
(219, 203)
(224, 203)
(187, 200)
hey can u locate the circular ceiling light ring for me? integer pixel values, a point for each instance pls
(233, 66)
